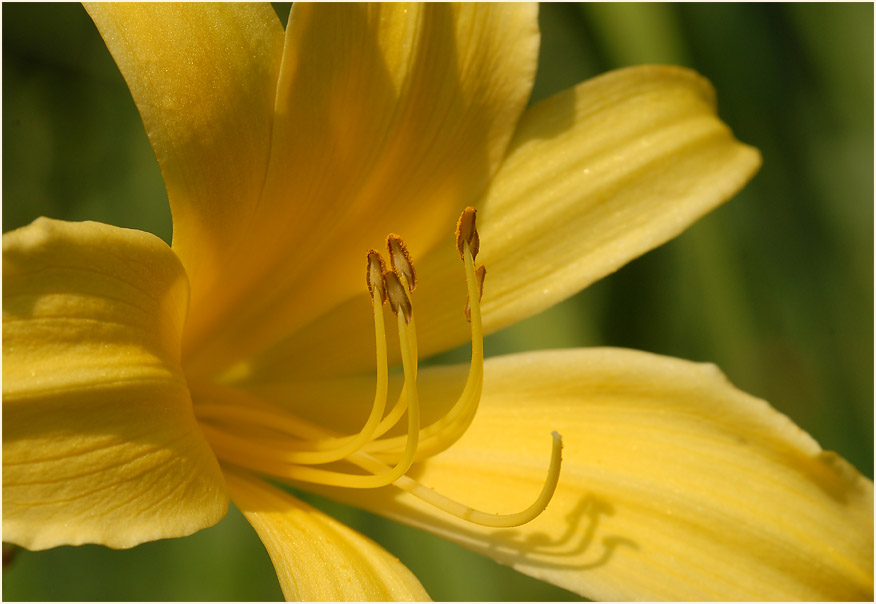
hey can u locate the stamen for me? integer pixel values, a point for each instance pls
(281, 459)
(398, 409)
(237, 407)
(403, 265)
(480, 274)
(406, 336)
(315, 449)
(344, 447)
(439, 435)
(400, 259)
(468, 513)
(466, 232)
(374, 275)
(246, 431)
(398, 296)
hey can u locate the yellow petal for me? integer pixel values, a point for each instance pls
(595, 176)
(100, 444)
(204, 78)
(390, 118)
(316, 557)
(674, 484)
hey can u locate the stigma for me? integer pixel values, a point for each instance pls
(292, 449)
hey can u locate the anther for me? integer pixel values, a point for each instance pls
(445, 431)
(374, 275)
(398, 295)
(400, 259)
(467, 232)
(480, 275)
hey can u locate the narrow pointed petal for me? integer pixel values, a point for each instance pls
(204, 77)
(317, 558)
(674, 484)
(595, 176)
(390, 118)
(100, 444)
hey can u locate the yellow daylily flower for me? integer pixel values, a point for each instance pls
(144, 385)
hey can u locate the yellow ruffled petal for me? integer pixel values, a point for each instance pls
(390, 118)
(316, 557)
(595, 176)
(100, 444)
(204, 77)
(674, 484)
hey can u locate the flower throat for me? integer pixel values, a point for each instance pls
(290, 448)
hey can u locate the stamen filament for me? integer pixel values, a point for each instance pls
(247, 431)
(316, 450)
(235, 406)
(441, 434)
(397, 410)
(403, 267)
(285, 463)
(468, 513)
(394, 415)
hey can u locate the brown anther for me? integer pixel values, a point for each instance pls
(374, 275)
(480, 275)
(400, 259)
(398, 295)
(467, 232)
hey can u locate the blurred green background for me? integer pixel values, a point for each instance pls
(776, 287)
